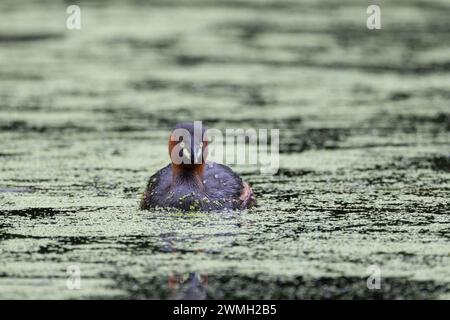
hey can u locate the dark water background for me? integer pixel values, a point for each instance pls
(364, 125)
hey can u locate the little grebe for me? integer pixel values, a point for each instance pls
(192, 183)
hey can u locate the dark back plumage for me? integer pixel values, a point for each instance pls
(220, 189)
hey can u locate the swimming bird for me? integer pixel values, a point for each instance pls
(191, 182)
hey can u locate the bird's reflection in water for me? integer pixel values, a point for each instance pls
(188, 286)
(184, 229)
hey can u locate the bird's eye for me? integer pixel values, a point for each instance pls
(182, 144)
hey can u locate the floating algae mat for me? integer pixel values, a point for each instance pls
(364, 126)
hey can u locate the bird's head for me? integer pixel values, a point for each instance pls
(188, 145)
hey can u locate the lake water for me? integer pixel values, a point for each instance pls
(364, 125)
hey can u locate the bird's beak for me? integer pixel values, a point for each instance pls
(198, 155)
(187, 154)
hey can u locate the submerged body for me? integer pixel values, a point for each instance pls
(220, 189)
(192, 183)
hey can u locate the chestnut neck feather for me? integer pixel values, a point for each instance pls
(188, 174)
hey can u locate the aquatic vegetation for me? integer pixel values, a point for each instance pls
(364, 142)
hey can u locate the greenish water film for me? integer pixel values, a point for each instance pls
(364, 148)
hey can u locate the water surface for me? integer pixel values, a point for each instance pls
(364, 148)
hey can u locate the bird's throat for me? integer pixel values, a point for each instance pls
(189, 176)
